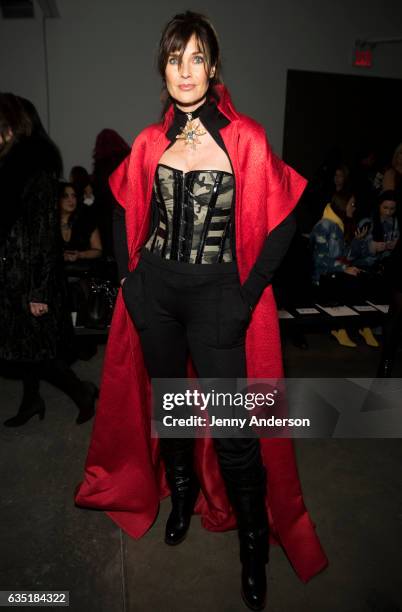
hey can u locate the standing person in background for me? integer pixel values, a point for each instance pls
(341, 178)
(82, 183)
(339, 184)
(35, 325)
(110, 150)
(393, 175)
(206, 220)
(366, 179)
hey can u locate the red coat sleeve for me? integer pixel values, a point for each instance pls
(284, 187)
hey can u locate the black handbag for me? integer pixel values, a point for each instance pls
(101, 300)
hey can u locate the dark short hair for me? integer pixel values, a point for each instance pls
(389, 194)
(343, 168)
(340, 201)
(61, 189)
(178, 32)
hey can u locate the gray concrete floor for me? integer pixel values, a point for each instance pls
(352, 489)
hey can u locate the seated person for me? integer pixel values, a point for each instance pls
(80, 236)
(382, 232)
(341, 178)
(82, 249)
(334, 242)
(333, 238)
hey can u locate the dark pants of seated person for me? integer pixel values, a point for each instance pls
(78, 298)
(341, 288)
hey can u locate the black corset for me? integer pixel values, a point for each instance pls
(194, 215)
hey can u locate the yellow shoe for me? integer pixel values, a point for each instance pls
(342, 336)
(368, 336)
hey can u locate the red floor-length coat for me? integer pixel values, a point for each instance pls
(123, 474)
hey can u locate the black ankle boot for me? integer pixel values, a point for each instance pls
(184, 489)
(86, 402)
(248, 501)
(26, 411)
(83, 394)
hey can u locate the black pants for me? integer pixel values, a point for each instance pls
(180, 309)
(58, 373)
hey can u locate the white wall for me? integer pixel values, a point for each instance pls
(22, 66)
(101, 58)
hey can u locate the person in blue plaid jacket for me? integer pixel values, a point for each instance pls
(336, 244)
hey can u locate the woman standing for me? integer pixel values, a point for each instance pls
(207, 220)
(109, 151)
(35, 325)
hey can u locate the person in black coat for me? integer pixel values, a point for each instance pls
(35, 325)
(110, 150)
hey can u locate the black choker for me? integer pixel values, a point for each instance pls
(195, 114)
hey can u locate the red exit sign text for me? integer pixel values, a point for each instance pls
(363, 58)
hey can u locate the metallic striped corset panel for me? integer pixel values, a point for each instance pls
(194, 215)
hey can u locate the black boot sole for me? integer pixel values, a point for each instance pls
(250, 605)
(176, 542)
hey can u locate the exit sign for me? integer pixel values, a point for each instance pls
(363, 58)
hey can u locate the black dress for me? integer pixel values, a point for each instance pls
(83, 223)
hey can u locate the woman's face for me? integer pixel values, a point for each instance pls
(88, 191)
(339, 179)
(351, 207)
(387, 209)
(188, 83)
(68, 202)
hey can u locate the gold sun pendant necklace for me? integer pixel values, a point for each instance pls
(190, 132)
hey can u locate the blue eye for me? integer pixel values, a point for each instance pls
(173, 60)
(198, 59)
